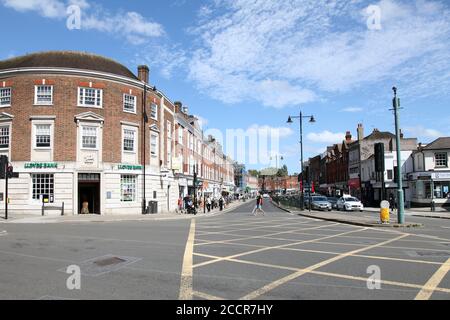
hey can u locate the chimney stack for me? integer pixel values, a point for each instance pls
(348, 136)
(178, 106)
(360, 131)
(143, 73)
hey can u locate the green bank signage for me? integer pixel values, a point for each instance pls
(41, 165)
(128, 167)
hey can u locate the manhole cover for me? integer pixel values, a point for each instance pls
(109, 261)
(104, 264)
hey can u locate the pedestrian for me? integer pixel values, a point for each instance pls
(258, 206)
(391, 202)
(221, 203)
(208, 204)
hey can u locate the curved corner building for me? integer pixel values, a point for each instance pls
(73, 127)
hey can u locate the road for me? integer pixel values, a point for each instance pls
(231, 256)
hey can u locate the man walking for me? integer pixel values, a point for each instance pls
(258, 206)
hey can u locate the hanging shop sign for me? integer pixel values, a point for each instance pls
(41, 165)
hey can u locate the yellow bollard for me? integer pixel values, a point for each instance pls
(384, 212)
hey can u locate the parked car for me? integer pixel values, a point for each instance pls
(265, 195)
(319, 203)
(333, 201)
(349, 204)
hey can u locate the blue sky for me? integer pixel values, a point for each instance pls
(251, 63)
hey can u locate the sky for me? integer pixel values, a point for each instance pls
(246, 65)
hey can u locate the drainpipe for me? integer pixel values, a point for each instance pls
(144, 121)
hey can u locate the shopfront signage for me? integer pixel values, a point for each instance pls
(441, 175)
(129, 167)
(41, 165)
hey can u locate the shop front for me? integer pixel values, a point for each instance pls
(428, 187)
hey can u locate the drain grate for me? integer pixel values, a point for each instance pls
(104, 264)
(109, 261)
(417, 254)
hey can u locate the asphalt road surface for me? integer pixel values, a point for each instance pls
(235, 255)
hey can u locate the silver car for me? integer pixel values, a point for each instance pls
(320, 203)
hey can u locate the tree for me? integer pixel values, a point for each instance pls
(283, 171)
(254, 173)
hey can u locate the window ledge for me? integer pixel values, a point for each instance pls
(89, 106)
(5, 106)
(43, 105)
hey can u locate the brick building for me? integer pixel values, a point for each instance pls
(83, 129)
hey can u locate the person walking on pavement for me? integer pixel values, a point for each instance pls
(221, 203)
(208, 204)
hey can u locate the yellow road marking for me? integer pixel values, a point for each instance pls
(269, 248)
(206, 296)
(187, 271)
(431, 285)
(257, 293)
(258, 237)
(328, 274)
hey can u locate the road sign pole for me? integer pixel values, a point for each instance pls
(6, 196)
(400, 197)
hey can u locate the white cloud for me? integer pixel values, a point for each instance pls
(352, 109)
(422, 132)
(326, 137)
(46, 8)
(201, 121)
(283, 53)
(130, 25)
(281, 132)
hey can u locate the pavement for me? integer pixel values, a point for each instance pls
(27, 218)
(442, 213)
(234, 255)
(353, 218)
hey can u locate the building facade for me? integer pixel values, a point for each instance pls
(429, 178)
(84, 130)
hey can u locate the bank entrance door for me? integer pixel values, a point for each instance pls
(89, 193)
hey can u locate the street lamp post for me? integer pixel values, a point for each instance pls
(400, 196)
(311, 120)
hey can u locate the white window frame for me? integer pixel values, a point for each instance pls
(125, 95)
(169, 152)
(156, 136)
(8, 127)
(36, 102)
(35, 135)
(131, 181)
(169, 129)
(5, 96)
(155, 117)
(95, 128)
(445, 159)
(129, 129)
(98, 95)
(50, 188)
(180, 135)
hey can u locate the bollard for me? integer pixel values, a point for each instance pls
(384, 212)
